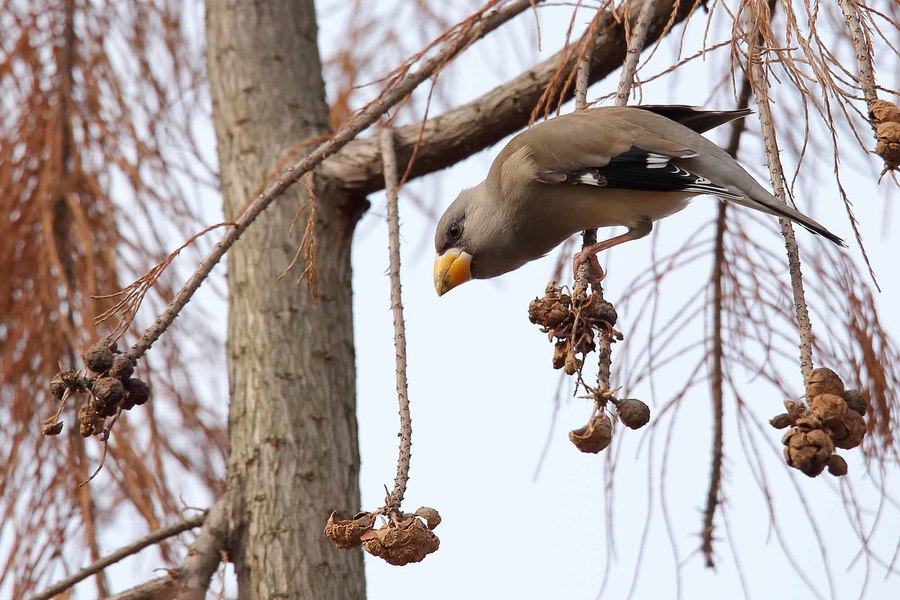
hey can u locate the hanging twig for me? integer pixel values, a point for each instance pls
(389, 157)
(760, 84)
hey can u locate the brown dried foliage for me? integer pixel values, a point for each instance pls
(89, 170)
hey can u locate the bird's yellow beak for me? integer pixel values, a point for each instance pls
(451, 269)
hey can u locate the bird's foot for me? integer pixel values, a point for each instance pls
(594, 272)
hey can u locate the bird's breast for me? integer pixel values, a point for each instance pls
(582, 207)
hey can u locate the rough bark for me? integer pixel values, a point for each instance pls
(292, 422)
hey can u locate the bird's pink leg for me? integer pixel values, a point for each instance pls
(595, 274)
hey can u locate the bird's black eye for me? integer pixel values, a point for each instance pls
(454, 231)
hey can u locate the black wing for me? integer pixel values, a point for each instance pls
(638, 169)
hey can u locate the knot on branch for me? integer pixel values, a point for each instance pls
(834, 419)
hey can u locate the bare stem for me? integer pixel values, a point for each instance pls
(760, 84)
(453, 46)
(133, 548)
(389, 158)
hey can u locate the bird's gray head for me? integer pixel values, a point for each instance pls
(471, 240)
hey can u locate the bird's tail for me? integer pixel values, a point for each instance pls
(772, 205)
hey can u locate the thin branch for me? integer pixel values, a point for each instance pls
(133, 548)
(454, 45)
(760, 84)
(393, 219)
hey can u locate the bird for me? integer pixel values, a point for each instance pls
(599, 167)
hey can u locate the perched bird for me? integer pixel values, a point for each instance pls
(626, 166)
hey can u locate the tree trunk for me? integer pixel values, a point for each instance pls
(293, 437)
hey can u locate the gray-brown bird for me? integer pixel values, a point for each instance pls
(607, 166)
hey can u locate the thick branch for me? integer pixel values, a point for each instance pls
(458, 133)
(96, 567)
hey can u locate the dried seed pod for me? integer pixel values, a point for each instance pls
(823, 381)
(600, 310)
(794, 408)
(808, 450)
(851, 432)
(108, 393)
(837, 466)
(86, 430)
(883, 111)
(783, 420)
(809, 421)
(536, 311)
(593, 437)
(347, 533)
(571, 364)
(830, 409)
(98, 359)
(121, 368)
(585, 341)
(888, 145)
(855, 401)
(88, 420)
(58, 386)
(431, 516)
(138, 391)
(399, 544)
(557, 315)
(53, 428)
(633, 413)
(559, 355)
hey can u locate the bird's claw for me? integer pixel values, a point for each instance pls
(594, 272)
